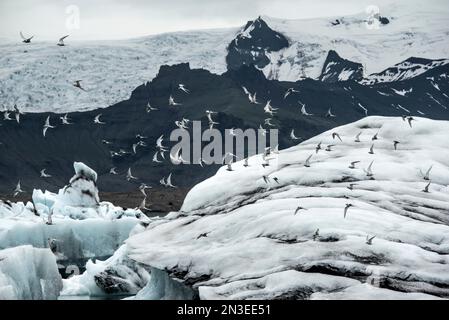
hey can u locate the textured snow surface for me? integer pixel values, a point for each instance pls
(413, 31)
(237, 236)
(27, 273)
(405, 70)
(79, 199)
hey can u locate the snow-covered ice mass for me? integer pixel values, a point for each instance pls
(272, 159)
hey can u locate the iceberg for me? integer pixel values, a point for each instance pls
(28, 273)
(73, 222)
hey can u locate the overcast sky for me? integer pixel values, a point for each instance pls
(116, 19)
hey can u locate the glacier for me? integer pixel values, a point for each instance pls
(239, 237)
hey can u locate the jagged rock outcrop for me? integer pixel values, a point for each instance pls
(335, 69)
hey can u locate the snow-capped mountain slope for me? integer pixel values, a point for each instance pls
(38, 77)
(81, 226)
(252, 45)
(116, 275)
(283, 231)
(411, 32)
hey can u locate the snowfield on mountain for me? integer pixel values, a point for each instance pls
(407, 34)
(313, 228)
